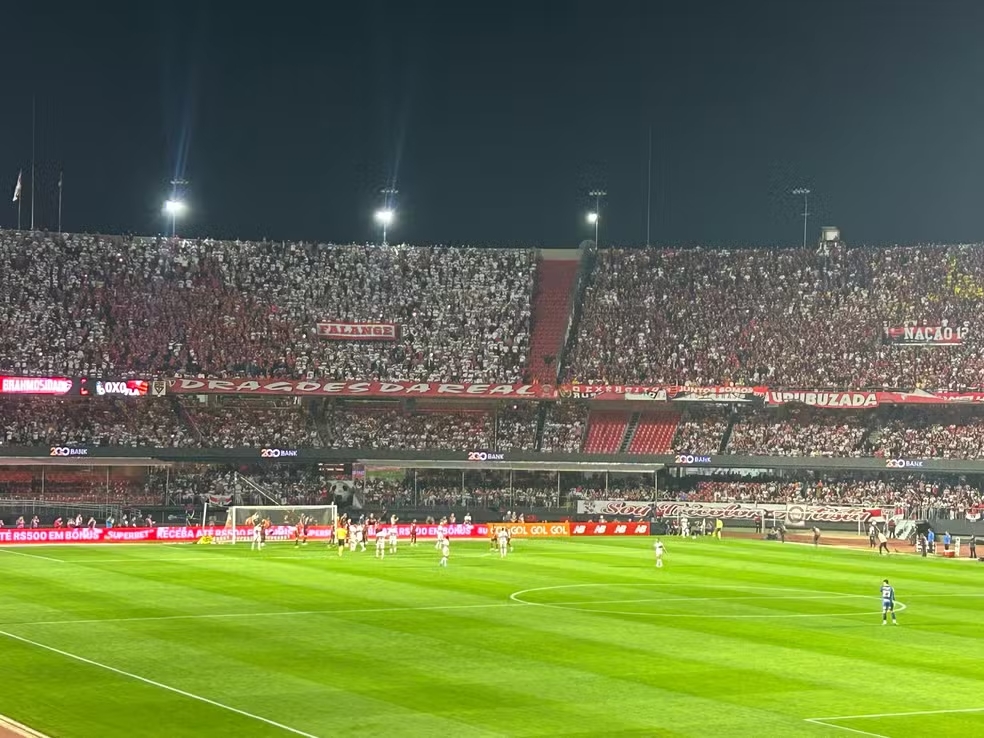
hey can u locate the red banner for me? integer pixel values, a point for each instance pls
(534, 530)
(842, 400)
(35, 385)
(401, 389)
(191, 533)
(335, 331)
(926, 335)
(609, 529)
(660, 393)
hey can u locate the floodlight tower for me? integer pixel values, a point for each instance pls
(386, 214)
(806, 210)
(175, 206)
(594, 217)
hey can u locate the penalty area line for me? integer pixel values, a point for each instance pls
(224, 615)
(831, 722)
(875, 716)
(159, 685)
(32, 556)
(818, 721)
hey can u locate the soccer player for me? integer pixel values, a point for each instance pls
(816, 536)
(493, 538)
(445, 551)
(888, 602)
(257, 543)
(503, 542)
(299, 532)
(393, 535)
(380, 542)
(341, 533)
(659, 548)
(442, 532)
(413, 533)
(882, 544)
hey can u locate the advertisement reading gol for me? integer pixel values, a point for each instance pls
(534, 530)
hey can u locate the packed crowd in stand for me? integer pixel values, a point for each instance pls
(701, 431)
(946, 434)
(919, 497)
(784, 318)
(395, 429)
(44, 421)
(79, 305)
(798, 433)
(563, 429)
(117, 307)
(234, 423)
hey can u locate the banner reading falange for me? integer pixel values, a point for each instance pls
(348, 331)
(797, 514)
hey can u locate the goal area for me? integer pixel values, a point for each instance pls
(279, 521)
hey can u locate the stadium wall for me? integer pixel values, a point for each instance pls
(475, 459)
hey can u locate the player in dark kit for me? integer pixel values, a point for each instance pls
(413, 533)
(888, 602)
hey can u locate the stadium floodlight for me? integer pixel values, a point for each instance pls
(385, 217)
(806, 210)
(174, 208)
(594, 217)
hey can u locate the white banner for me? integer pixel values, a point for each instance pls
(798, 515)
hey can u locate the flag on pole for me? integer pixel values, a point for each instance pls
(17, 187)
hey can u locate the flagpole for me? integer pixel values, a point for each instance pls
(61, 176)
(33, 128)
(19, 200)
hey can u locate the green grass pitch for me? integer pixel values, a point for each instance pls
(563, 638)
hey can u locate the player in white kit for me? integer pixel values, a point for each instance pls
(442, 534)
(355, 533)
(380, 542)
(257, 543)
(445, 551)
(392, 536)
(659, 548)
(503, 536)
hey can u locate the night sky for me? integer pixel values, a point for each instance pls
(495, 119)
